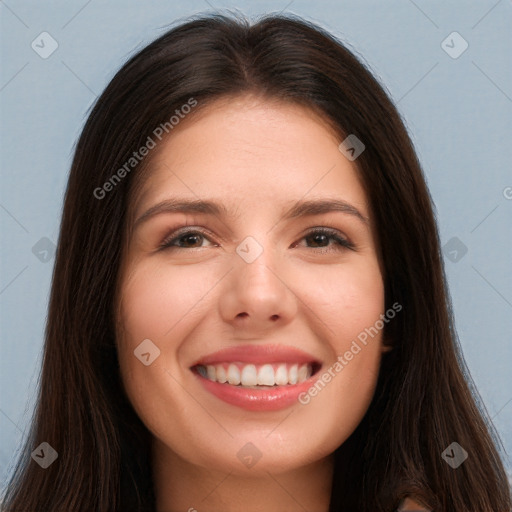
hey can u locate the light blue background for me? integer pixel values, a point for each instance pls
(458, 112)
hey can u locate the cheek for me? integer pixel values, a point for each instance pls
(347, 298)
(349, 302)
(157, 297)
(162, 304)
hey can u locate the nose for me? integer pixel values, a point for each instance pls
(257, 296)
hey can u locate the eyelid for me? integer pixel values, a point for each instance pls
(185, 230)
(343, 241)
(334, 233)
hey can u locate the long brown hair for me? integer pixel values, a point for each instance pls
(424, 398)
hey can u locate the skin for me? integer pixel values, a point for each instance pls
(258, 158)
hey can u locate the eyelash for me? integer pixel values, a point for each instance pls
(332, 234)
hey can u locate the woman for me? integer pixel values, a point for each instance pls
(249, 308)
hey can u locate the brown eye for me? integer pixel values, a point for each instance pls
(188, 239)
(318, 239)
(322, 238)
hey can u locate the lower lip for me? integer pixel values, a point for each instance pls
(273, 399)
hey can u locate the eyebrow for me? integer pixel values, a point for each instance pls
(299, 209)
(319, 206)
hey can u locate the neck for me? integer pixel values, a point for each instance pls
(181, 487)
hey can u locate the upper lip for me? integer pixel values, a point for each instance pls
(257, 354)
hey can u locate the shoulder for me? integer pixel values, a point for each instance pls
(409, 505)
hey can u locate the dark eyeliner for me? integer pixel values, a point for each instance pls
(168, 241)
(332, 234)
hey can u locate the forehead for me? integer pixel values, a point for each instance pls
(251, 152)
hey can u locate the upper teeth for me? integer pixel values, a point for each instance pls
(252, 375)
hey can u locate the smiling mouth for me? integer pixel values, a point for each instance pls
(257, 376)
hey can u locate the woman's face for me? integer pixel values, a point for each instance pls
(252, 257)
